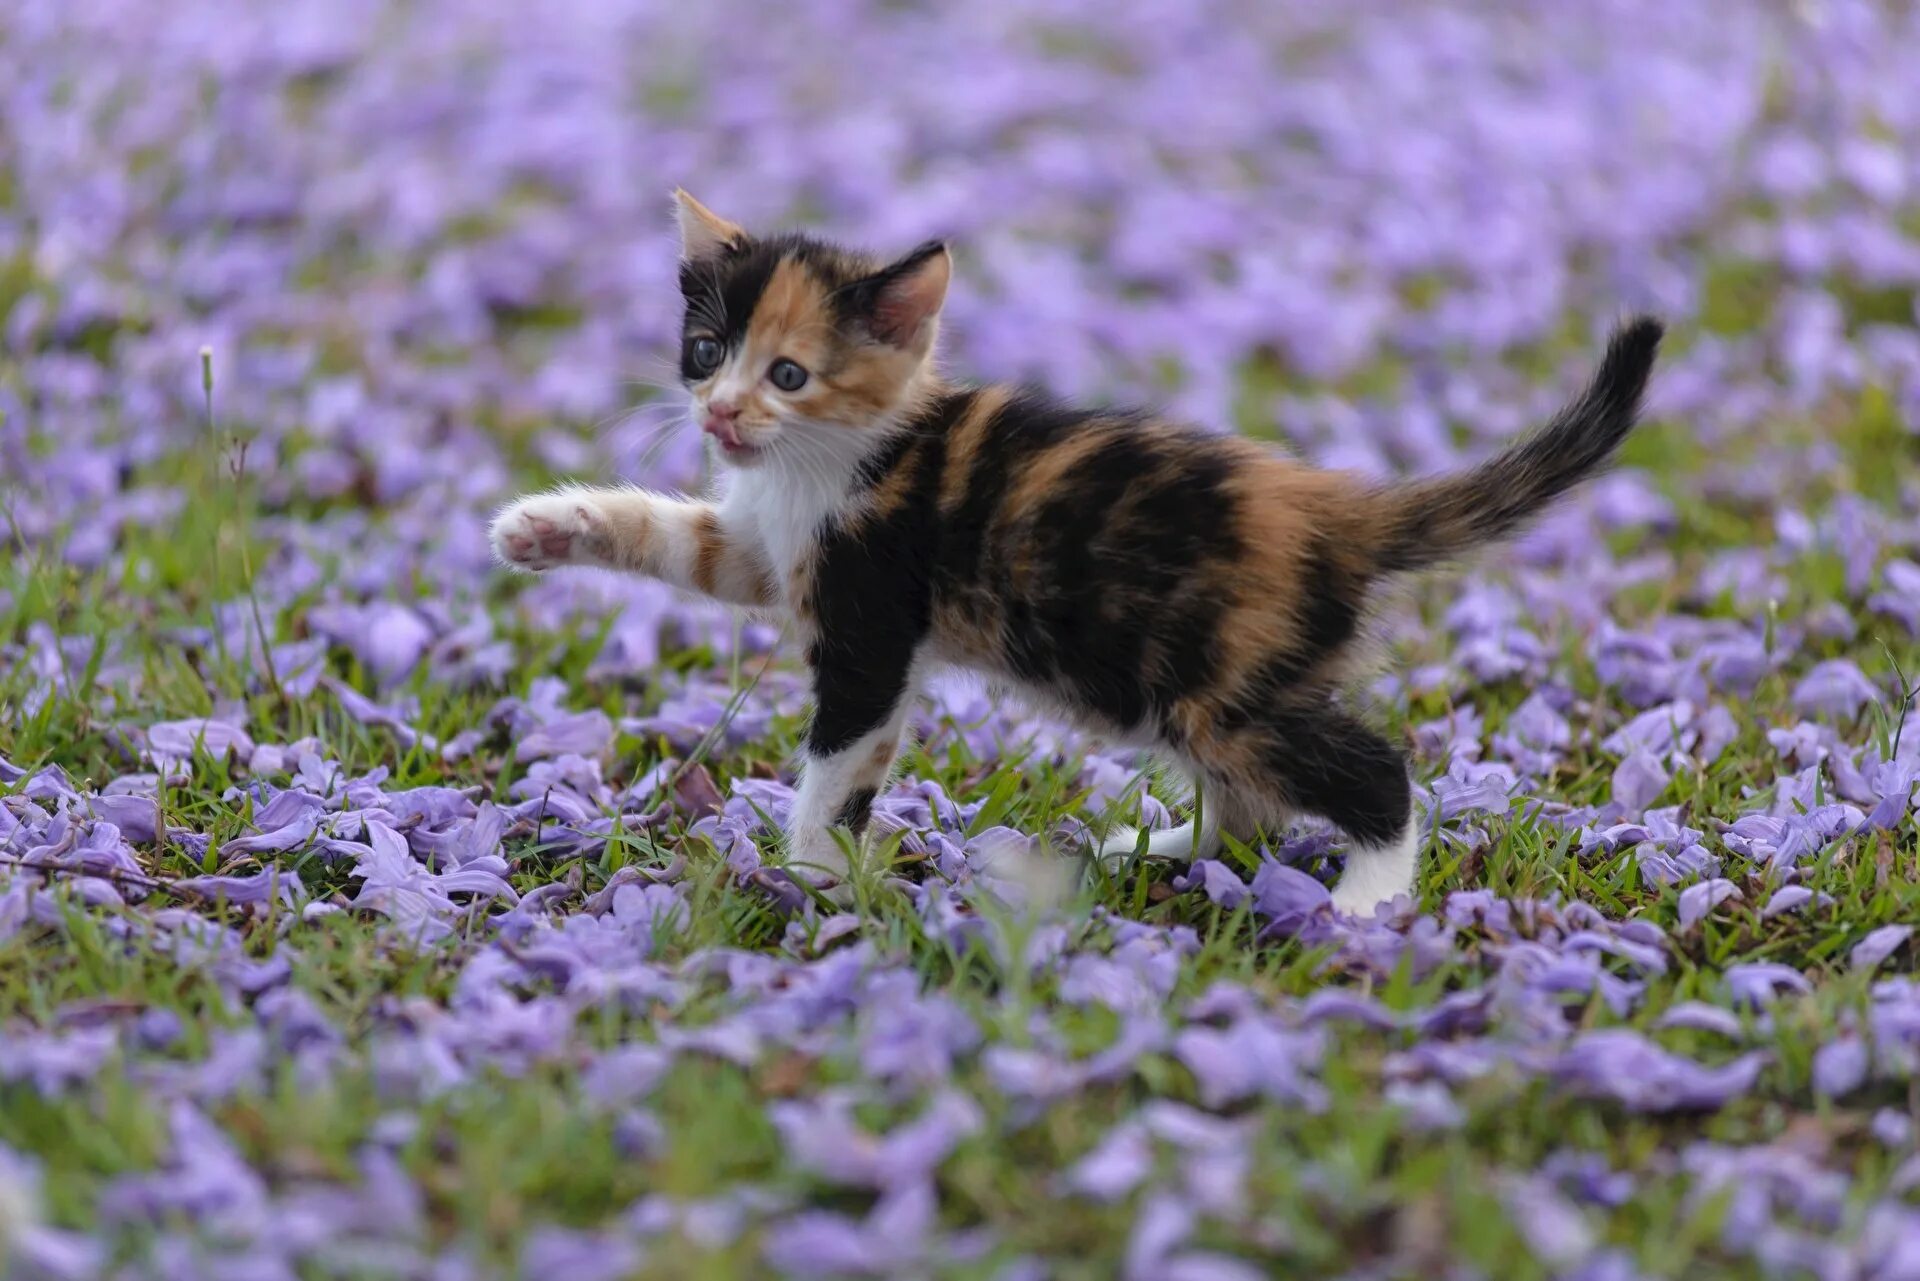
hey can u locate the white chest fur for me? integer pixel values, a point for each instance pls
(782, 506)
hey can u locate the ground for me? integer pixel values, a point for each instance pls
(368, 912)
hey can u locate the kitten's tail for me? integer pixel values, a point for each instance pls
(1427, 522)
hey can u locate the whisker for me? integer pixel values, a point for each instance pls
(620, 417)
(653, 450)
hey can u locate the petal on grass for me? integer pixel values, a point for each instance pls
(1626, 1067)
(1872, 951)
(274, 884)
(1638, 781)
(1696, 901)
(172, 744)
(1840, 1066)
(587, 734)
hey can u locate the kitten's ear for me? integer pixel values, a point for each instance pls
(904, 299)
(703, 233)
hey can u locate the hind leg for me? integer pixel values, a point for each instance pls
(1379, 873)
(1175, 843)
(1326, 762)
(1221, 810)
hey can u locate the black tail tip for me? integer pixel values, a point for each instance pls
(1629, 359)
(1635, 342)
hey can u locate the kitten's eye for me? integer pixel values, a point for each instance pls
(787, 376)
(705, 354)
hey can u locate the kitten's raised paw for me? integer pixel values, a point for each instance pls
(547, 530)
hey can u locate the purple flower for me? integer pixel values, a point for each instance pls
(1892, 1127)
(1425, 1107)
(582, 734)
(367, 712)
(823, 1137)
(1626, 1067)
(413, 898)
(1759, 983)
(1776, 840)
(907, 1036)
(1288, 895)
(137, 817)
(1154, 1251)
(1638, 781)
(1555, 1229)
(1221, 884)
(1115, 1167)
(388, 637)
(898, 1238)
(29, 1244)
(270, 885)
(1535, 736)
(204, 1180)
(1038, 1075)
(1468, 787)
(1870, 952)
(1718, 730)
(53, 1062)
(1835, 688)
(1252, 1057)
(583, 1256)
(1786, 899)
(1658, 731)
(172, 743)
(625, 1074)
(1840, 1066)
(1136, 977)
(1696, 901)
(1698, 1016)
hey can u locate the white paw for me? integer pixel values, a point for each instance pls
(545, 530)
(814, 853)
(1379, 874)
(1120, 843)
(1359, 900)
(838, 893)
(1172, 844)
(1372, 880)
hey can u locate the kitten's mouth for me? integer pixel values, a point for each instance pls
(732, 444)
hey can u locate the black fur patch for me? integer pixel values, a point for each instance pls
(1107, 600)
(722, 292)
(873, 603)
(1332, 765)
(857, 810)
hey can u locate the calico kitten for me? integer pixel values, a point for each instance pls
(1159, 584)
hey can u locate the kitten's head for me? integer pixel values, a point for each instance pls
(788, 340)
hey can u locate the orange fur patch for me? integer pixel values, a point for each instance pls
(964, 440)
(710, 545)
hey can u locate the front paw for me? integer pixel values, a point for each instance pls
(546, 530)
(816, 854)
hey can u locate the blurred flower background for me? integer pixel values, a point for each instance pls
(366, 914)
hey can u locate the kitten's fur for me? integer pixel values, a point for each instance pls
(1162, 585)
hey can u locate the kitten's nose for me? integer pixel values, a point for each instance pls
(721, 421)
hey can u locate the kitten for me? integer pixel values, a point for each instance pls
(1161, 585)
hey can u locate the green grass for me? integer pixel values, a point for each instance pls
(1333, 1189)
